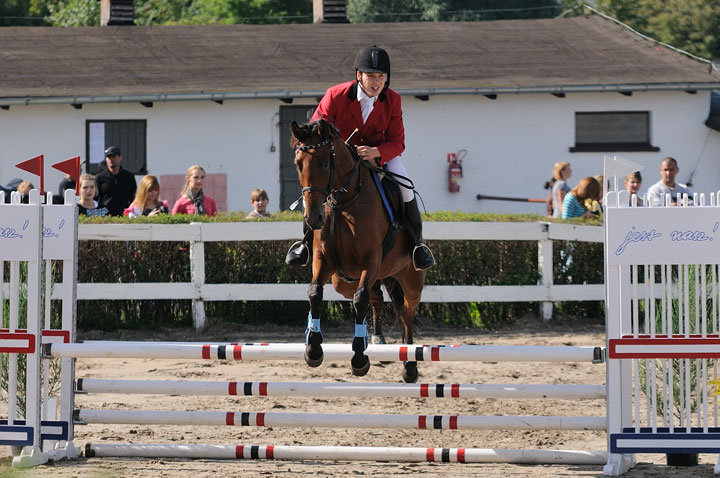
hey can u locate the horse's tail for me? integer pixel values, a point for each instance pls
(397, 297)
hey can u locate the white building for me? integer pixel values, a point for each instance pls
(517, 96)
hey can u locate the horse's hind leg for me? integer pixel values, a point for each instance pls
(360, 363)
(313, 334)
(378, 307)
(412, 283)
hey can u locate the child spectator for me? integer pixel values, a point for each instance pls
(24, 189)
(147, 199)
(633, 181)
(87, 205)
(192, 200)
(561, 173)
(574, 202)
(259, 201)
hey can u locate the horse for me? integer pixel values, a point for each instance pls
(348, 221)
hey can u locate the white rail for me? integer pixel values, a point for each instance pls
(198, 291)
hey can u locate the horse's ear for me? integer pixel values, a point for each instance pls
(296, 131)
(323, 129)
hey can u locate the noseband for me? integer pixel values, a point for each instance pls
(329, 192)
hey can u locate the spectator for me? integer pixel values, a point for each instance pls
(147, 199)
(192, 200)
(259, 201)
(10, 187)
(67, 183)
(116, 186)
(87, 205)
(574, 202)
(561, 173)
(24, 190)
(633, 181)
(667, 185)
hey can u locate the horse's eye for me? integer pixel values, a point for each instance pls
(299, 166)
(326, 164)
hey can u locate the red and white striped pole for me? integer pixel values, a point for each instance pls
(346, 453)
(338, 420)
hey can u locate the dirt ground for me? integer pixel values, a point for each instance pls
(530, 332)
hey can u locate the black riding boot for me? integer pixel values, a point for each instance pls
(299, 253)
(421, 255)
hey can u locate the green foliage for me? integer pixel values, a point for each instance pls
(690, 25)
(74, 13)
(364, 11)
(16, 12)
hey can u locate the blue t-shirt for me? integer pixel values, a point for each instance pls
(571, 207)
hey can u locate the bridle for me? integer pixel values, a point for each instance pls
(332, 196)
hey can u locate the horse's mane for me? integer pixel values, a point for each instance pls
(307, 130)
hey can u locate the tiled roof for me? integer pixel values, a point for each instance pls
(524, 54)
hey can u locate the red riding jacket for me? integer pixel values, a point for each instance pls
(384, 127)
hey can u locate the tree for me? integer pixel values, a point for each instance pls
(74, 13)
(360, 11)
(691, 25)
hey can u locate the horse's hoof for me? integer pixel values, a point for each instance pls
(313, 355)
(360, 365)
(410, 372)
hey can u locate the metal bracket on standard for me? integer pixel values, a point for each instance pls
(598, 355)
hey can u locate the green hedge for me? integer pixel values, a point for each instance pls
(458, 263)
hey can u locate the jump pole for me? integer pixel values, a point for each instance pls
(346, 453)
(339, 420)
(350, 390)
(381, 352)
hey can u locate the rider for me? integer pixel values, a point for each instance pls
(370, 106)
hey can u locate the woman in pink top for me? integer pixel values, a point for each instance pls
(192, 199)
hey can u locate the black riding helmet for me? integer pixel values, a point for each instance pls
(373, 59)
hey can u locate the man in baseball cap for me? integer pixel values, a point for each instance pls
(116, 186)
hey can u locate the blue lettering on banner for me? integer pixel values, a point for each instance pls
(9, 233)
(695, 236)
(636, 236)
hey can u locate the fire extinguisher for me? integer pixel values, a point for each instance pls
(455, 170)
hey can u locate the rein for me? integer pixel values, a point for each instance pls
(333, 196)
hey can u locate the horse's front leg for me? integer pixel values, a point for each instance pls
(360, 363)
(313, 333)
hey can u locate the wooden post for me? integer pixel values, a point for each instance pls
(197, 277)
(545, 264)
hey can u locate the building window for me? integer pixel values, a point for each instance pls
(610, 131)
(128, 135)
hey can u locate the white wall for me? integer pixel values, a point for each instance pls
(512, 142)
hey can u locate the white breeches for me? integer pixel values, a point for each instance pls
(396, 166)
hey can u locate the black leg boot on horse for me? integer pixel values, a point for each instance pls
(301, 251)
(421, 255)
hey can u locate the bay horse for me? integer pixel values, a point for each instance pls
(348, 221)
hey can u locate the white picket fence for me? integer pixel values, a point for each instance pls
(197, 234)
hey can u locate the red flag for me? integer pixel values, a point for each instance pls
(71, 167)
(35, 166)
